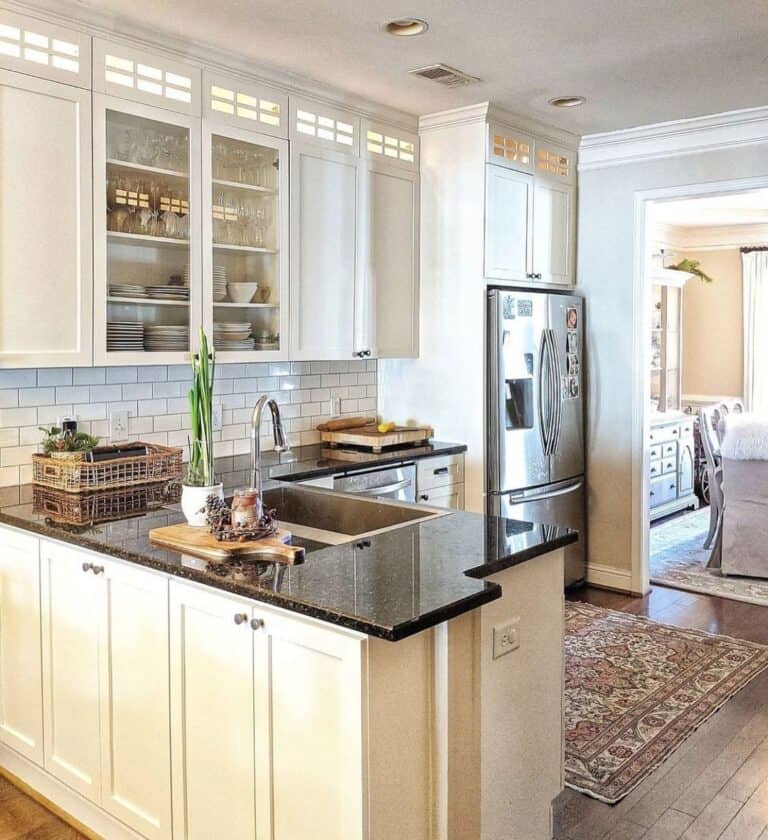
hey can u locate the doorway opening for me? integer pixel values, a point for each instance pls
(699, 352)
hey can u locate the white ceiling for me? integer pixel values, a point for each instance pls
(636, 62)
(747, 208)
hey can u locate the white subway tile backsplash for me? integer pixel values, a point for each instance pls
(155, 397)
(54, 376)
(18, 378)
(35, 396)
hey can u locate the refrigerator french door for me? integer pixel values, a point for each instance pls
(536, 413)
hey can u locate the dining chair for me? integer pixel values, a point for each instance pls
(711, 445)
(737, 407)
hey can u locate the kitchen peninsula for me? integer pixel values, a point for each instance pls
(176, 697)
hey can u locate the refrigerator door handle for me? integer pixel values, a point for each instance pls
(544, 496)
(557, 393)
(543, 422)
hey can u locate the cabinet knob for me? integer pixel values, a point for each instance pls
(97, 570)
(257, 623)
(87, 567)
(537, 276)
(424, 497)
(530, 275)
(240, 618)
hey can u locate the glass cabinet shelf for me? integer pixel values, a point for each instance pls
(249, 249)
(141, 239)
(114, 164)
(240, 186)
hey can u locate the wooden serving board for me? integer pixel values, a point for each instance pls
(369, 437)
(199, 542)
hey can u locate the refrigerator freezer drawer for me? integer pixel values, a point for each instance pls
(556, 504)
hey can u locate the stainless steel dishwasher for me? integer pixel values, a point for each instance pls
(396, 483)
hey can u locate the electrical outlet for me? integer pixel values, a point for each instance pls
(217, 418)
(334, 406)
(118, 425)
(506, 638)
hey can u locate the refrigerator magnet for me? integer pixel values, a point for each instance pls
(573, 341)
(573, 364)
(572, 317)
(573, 387)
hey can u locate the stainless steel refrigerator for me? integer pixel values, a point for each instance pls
(535, 457)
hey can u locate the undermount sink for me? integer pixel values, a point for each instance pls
(338, 517)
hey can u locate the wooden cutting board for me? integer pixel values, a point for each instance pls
(371, 438)
(199, 542)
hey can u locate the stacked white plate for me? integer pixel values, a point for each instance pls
(166, 337)
(127, 290)
(125, 335)
(232, 335)
(219, 282)
(168, 292)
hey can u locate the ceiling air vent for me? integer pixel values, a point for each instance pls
(444, 75)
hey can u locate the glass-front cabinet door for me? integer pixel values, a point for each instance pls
(245, 233)
(147, 253)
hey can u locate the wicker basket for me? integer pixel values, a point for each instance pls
(105, 506)
(161, 464)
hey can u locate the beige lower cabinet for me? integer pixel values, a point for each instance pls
(267, 722)
(21, 696)
(105, 684)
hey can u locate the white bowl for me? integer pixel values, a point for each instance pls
(242, 292)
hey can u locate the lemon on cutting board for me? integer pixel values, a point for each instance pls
(386, 427)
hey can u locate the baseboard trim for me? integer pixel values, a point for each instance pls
(61, 800)
(608, 577)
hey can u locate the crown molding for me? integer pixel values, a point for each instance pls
(710, 238)
(671, 139)
(96, 23)
(484, 112)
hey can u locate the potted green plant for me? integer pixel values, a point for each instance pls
(70, 446)
(200, 481)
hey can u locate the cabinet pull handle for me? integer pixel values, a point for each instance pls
(257, 623)
(424, 497)
(240, 618)
(97, 570)
(87, 567)
(440, 471)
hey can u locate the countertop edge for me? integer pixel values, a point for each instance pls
(486, 569)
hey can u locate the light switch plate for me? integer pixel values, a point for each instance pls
(334, 406)
(118, 425)
(506, 638)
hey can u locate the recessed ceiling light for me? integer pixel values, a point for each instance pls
(567, 101)
(407, 27)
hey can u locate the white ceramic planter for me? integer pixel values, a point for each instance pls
(193, 501)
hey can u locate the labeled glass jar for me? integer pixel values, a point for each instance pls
(246, 508)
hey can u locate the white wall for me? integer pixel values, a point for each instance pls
(444, 387)
(606, 264)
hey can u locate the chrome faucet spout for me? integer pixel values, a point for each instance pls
(278, 435)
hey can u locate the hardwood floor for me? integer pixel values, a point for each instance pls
(716, 784)
(23, 818)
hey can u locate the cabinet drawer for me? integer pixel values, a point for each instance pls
(655, 452)
(663, 490)
(664, 433)
(451, 496)
(438, 472)
(686, 429)
(669, 450)
(655, 470)
(668, 465)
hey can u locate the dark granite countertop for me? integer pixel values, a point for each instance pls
(305, 462)
(390, 585)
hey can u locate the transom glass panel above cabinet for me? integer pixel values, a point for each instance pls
(146, 233)
(245, 234)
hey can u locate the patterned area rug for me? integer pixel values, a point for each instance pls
(636, 689)
(678, 560)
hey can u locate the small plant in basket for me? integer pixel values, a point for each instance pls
(67, 445)
(199, 482)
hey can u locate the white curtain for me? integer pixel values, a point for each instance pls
(755, 279)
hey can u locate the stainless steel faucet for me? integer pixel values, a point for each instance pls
(277, 432)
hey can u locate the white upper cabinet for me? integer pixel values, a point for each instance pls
(40, 48)
(124, 71)
(387, 324)
(21, 691)
(45, 173)
(245, 104)
(509, 147)
(530, 219)
(147, 233)
(508, 224)
(325, 220)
